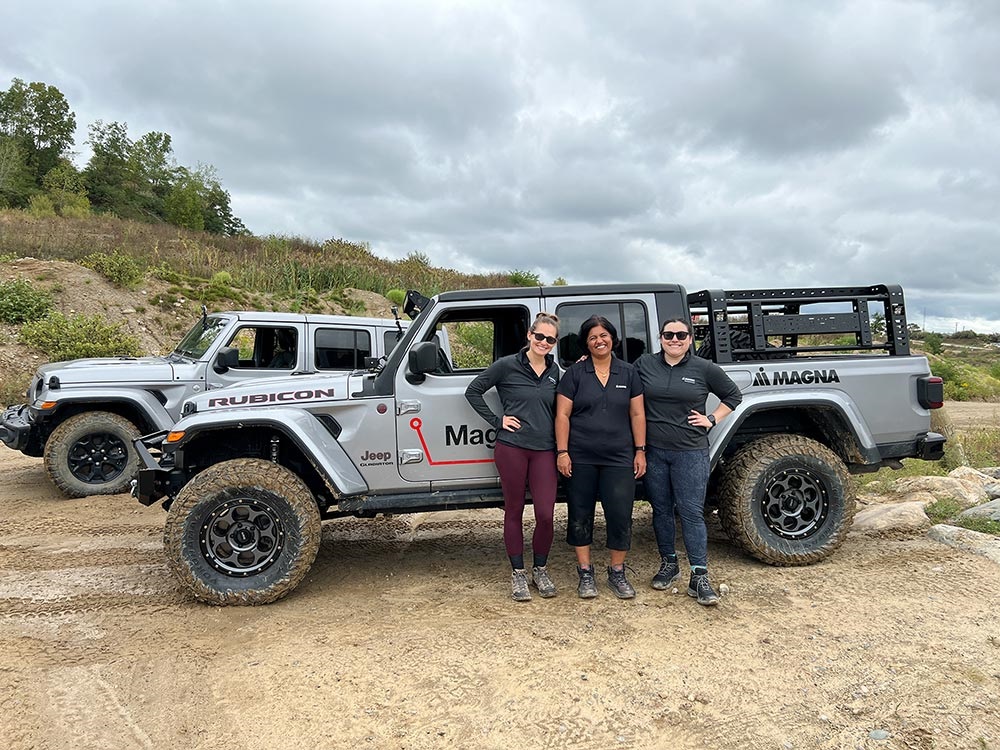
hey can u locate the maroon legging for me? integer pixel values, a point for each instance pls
(519, 467)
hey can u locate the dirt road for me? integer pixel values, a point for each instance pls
(404, 636)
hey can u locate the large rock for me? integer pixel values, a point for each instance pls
(993, 471)
(990, 510)
(993, 490)
(971, 541)
(894, 518)
(969, 474)
(965, 492)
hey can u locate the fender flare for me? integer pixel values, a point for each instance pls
(835, 401)
(322, 450)
(96, 399)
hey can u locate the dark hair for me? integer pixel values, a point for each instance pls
(545, 317)
(593, 322)
(685, 321)
(285, 337)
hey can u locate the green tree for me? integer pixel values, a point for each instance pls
(38, 117)
(932, 342)
(183, 205)
(107, 173)
(16, 184)
(878, 325)
(64, 186)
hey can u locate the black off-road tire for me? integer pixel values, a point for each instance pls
(92, 454)
(242, 532)
(786, 500)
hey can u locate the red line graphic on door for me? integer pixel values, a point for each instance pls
(416, 424)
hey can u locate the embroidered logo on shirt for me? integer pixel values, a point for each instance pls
(552, 380)
(621, 386)
(689, 380)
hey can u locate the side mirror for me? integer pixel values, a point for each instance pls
(423, 358)
(227, 358)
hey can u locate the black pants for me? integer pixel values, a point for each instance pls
(615, 486)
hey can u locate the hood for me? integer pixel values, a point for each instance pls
(108, 370)
(290, 391)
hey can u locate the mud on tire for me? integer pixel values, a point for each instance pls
(92, 454)
(242, 532)
(786, 500)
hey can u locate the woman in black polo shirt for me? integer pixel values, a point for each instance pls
(676, 386)
(600, 444)
(526, 383)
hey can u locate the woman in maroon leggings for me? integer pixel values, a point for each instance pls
(526, 383)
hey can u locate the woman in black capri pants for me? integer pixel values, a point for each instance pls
(600, 448)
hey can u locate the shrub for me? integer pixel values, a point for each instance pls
(121, 270)
(41, 206)
(932, 342)
(396, 296)
(21, 302)
(222, 278)
(523, 278)
(61, 338)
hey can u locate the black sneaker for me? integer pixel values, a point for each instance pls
(588, 587)
(618, 583)
(667, 575)
(519, 586)
(701, 588)
(540, 577)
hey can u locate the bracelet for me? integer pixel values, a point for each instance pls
(640, 448)
(559, 453)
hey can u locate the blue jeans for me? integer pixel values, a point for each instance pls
(677, 480)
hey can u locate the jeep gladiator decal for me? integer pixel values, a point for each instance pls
(270, 398)
(416, 424)
(376, 458)
(795, 377)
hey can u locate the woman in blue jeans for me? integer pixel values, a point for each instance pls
(676, 385)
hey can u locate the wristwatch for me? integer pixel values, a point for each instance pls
(711, 418)
(641, 448)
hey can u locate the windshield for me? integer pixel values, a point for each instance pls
(201, 337)
(396, 355)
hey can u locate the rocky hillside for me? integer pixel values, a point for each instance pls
(153, 312)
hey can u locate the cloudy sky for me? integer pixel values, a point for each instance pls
(710, 143)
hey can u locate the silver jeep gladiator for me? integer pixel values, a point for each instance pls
(84, 415)
(249, 472)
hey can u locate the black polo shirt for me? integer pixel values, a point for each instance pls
(600, 431)
(523, 394)
(671, 392)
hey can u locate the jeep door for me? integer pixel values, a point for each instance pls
(440, 439)
(265, 351)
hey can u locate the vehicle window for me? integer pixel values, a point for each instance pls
(629, 318)
(390, 339)
(265, 347)
(200, 338)
(245, 340)
(477, 337)
(342, 348)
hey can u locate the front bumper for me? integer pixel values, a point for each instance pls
(17, 430)
(153, 481)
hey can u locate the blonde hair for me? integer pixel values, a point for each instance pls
(545, 317)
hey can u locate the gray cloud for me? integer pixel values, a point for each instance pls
(712, 144)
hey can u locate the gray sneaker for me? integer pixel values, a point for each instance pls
(618, 583)
(666, 576)
(588, 587)
(540, 577)
(701, 588)
(519, 586)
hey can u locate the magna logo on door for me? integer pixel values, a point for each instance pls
(464, 436)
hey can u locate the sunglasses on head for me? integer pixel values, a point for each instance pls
(669, 335)
(550, 340)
